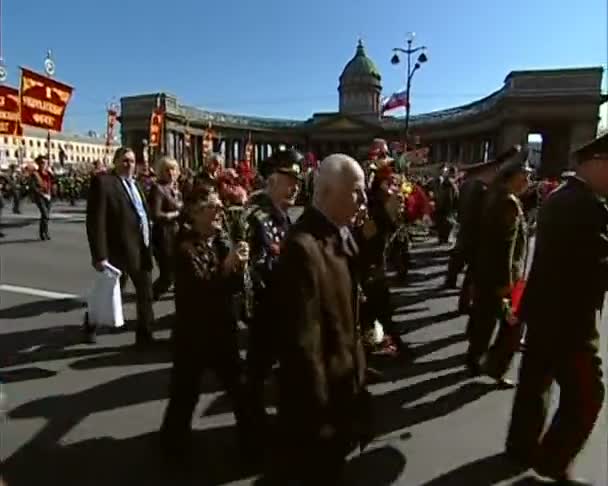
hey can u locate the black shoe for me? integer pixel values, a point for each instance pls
(518, 457)
(2, 235)
(144, 341)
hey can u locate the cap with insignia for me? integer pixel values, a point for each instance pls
(516, 162)
(287, 162)
(596, 149)
(506, 155)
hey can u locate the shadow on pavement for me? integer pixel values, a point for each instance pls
(410, 325)
(483, 472)
(133, 461)
(66, 342)
(5, 241)
(34, 309)
(25, 374)
(392, 416)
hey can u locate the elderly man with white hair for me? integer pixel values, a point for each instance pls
(324, 407)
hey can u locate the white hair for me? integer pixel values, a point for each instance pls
(333, 171)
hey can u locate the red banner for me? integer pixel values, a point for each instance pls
(156, 128)
(43, 100)
(10, 123)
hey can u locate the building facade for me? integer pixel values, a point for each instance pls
(77, 148)
(562, 105)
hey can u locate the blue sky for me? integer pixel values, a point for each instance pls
(283, 58)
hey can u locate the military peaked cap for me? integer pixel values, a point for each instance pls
(287, 162)
(596, 149)
(515, 162)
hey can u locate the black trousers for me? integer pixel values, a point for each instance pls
(444, 227)
(16, 201)
(485, 313)
(44, 206)
(189, 364)
(578, 372)
(377, 305)
(456, 265)
(261, 357)
(163, 246)
(142, 281)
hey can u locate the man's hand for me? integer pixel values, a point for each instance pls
(369, 229)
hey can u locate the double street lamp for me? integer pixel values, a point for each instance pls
(422, 58)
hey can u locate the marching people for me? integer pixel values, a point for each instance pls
(14, 180)
(561, 309)
(470, 202)
(478, 177)
(165, 202)
(383, 209)
(42, 193)
(324, 408)
(118, 230)
(498, 266)
(446, 197)
(268, 223)
(208, 273)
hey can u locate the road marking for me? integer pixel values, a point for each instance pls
(47, 294)
(53, 216)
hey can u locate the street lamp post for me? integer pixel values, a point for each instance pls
(422, 58)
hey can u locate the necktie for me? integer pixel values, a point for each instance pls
(141, 211)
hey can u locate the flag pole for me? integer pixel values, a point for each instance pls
(49, 68)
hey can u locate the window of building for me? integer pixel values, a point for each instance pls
(8, 154)
(31, 143)
(52, 144)
(6, 140)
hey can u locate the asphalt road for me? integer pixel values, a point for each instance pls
(89, 415)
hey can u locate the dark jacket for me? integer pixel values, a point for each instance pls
(472, 195)
(502, 247)
(569, 273)
(113, 227)
(164, 202)
(205, 319)
(322, 363)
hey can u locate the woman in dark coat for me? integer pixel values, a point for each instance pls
(165, 202)
(208, 272)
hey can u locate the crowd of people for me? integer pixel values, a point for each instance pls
(314, 294)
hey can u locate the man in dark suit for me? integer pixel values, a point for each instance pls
(560, 306)
(118, 230)
(324, 407)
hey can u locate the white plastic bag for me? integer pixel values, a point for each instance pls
(105, 301)
(378, 333)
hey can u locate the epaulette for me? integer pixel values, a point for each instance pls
(259, 213)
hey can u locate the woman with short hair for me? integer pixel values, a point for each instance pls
(165, 202)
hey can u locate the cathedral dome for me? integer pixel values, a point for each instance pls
(360, 85)
(360, 68)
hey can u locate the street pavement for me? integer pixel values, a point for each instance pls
(89, 414)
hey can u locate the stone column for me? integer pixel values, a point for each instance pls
(555, 153)
(581, 133)
(170, 143)
(512, 134)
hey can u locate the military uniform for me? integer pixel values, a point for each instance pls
(561, 304)
(498, 265)
(267, 228)
(446, 197)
